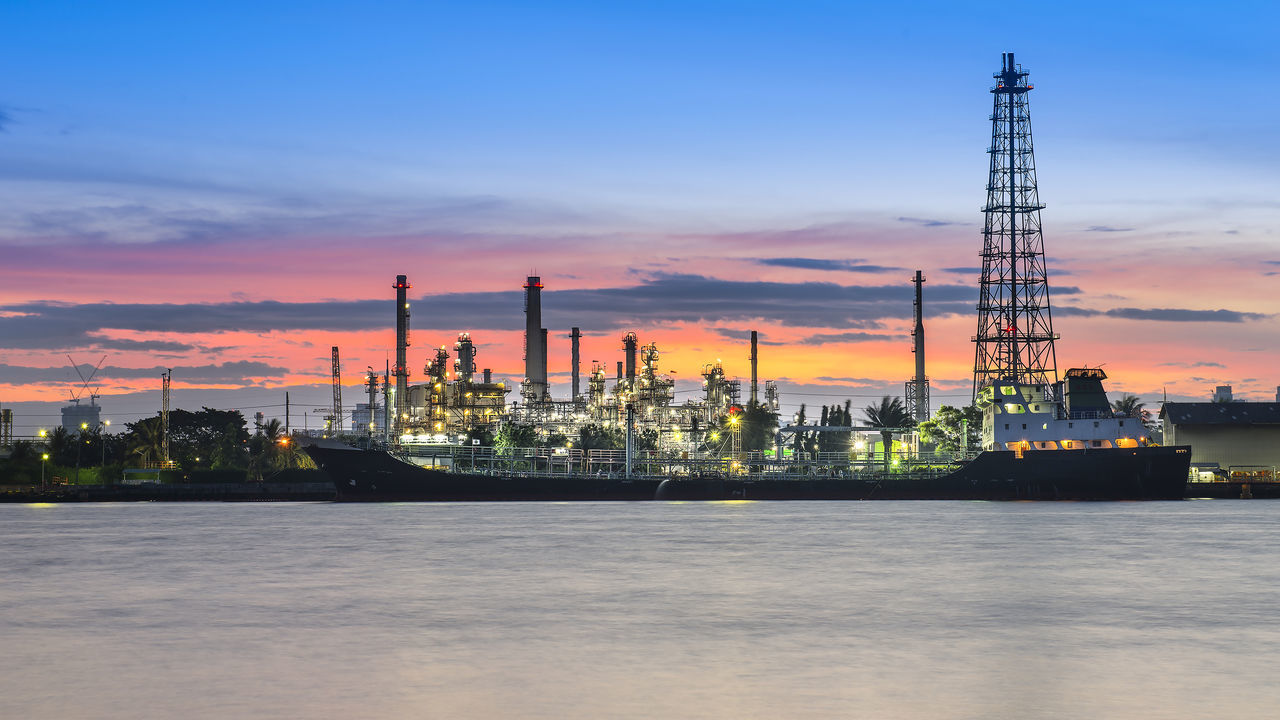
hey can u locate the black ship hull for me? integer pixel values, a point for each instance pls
(374, 475)
(1146, 473)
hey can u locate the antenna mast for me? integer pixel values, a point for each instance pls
(337, 393)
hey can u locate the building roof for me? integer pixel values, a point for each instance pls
(1230, 413)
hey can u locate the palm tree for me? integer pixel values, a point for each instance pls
(146, 438)
(1128, 406)
(889, 414)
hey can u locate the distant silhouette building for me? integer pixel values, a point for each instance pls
(76, 414)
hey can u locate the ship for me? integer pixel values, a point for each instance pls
(1060, 441)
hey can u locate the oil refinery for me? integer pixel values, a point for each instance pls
(458, 403)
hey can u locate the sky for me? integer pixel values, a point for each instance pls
(229, 189)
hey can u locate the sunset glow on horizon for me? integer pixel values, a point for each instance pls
(689, 174)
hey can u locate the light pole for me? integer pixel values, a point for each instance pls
(44, 458)
(80, 441)
(102, 441)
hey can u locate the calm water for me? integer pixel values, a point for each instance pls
(725, 610)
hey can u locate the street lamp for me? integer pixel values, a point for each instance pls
(44, 458)
(80, 442)
(102, 440)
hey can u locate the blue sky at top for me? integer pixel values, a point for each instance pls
(714, 109)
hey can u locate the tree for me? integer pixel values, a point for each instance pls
(217, 437)
(888, 415)
(145, 439)
(597, 437)
(801, 441)
(270, 450)
(1128, 406)
(62, 447)
(947, 428)
(516, 435)
(758, 426)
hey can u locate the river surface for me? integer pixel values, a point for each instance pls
(641, 610)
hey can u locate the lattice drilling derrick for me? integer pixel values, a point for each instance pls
(1015, 329)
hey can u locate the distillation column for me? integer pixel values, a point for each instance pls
(575, 335)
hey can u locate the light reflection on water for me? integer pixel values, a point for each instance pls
(640, 610)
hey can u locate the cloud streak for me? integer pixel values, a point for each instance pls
(661, 298)
(828, 265)
(1164, 314)
(227, 373)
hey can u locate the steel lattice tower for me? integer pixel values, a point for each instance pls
(1015, 326)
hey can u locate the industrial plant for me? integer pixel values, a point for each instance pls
(456, 402)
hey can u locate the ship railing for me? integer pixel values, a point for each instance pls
(676, 463)
(1251, 473)
(1088, 415)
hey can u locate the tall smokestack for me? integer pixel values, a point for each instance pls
(629, 347)
(918, 333)
(754, 357)
(535, 369)
(918, 386)
(574, 336)
(402, 349)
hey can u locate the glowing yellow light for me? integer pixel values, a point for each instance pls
(44, 433)
(45, 456)
(84, 426)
